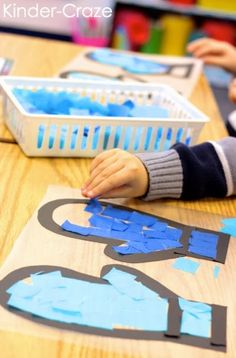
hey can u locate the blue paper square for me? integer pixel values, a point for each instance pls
(186, 265)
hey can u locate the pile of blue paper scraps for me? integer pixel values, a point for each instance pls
(120, 302)
(143, 233)
(42, 101)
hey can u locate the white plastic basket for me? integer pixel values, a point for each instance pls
(63, 135)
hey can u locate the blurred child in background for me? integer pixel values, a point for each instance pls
(222, 54)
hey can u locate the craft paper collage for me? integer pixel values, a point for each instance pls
(62, 256)
(181, 73)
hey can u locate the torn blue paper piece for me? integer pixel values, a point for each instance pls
(186, 265)
(159, 226)
(155, 234)
(142, 219)
(100, 221)
(149, 112)
(230, 230)
(216, 271)
(134, 227)
(116, 110)
(203, 243)
(229, 221)
(196, 318)
(160, 245)
(116, 213)
(94, 207)
(126, 249)
(205, 237)
(229, 226)
(82, 230)
(203, 251)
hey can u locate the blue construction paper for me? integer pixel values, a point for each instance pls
(138, 240)
(117, 213)
(67, 226)
(101, 232)
(118, 225)
(160, 245)
(128, 62)
(140, 246)
(216, 271)
(229, 226)
(123, 302)
(203, 251)
(130, 104)
(149, 112)
(159, 226)
(205, 236)
(126, 250)
(174, 233)
(186, 265)
(94, 207)
(119, 235)
(23, 290)
(79, 112)
(42, 101)
(120, 302)
(229, 222)
(196, 318)
(142, 219)
(204, 244)
(230, 230)
(134, 227)
(117, 110)
(101, 222)
(155, 234)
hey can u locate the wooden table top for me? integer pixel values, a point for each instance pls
(24, 181)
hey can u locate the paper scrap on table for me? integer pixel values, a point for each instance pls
(216, 271)
(229, 226)
(186, 265)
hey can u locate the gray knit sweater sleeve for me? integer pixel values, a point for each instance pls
(205, 170)
(165, 174)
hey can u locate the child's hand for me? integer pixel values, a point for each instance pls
(116, 173)
(213, 52)
(232, 91)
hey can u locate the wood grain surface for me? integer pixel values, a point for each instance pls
(24, 182)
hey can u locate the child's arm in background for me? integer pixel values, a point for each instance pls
(213, 52)
(232, 91)
(205, 170)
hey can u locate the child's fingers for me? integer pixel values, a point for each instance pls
(101, 157)
(104, 175)
(114, 181)
(207, 49)
(194, 45)
(100, 168)
(214, 60)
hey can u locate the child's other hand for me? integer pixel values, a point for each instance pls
(232, 91)
(213, 52)
(116, 173)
